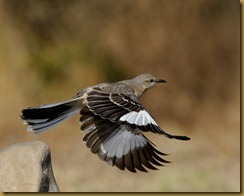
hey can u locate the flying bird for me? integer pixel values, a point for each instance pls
(113, 120)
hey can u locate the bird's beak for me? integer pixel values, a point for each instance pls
(160, 81)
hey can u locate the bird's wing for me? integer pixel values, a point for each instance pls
(119, 144)
(124, 109)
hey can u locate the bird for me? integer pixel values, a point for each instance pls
(113, 120)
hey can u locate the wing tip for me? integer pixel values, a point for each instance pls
(184, 138)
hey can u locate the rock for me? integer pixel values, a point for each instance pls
(26, 167)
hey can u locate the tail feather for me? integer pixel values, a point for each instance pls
(44, 117)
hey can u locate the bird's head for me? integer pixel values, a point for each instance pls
(144, 82)
(150, 81)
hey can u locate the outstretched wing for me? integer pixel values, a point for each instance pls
(119, 144)
(124, 110)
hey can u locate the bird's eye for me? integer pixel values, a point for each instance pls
(151, 80)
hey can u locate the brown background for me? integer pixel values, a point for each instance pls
(51, 49)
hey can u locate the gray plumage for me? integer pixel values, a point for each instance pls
(113, 120)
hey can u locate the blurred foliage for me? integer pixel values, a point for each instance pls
(50, 49)
(47, 28)
(193, 45)
(200, 34)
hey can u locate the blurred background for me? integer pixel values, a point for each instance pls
(51, 49)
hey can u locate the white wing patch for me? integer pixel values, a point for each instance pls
(141, 118)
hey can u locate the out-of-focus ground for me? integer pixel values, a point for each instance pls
(51, 49)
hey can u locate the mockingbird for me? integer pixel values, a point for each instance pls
(114, 121)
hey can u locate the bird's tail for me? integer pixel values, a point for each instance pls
(44, 117)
